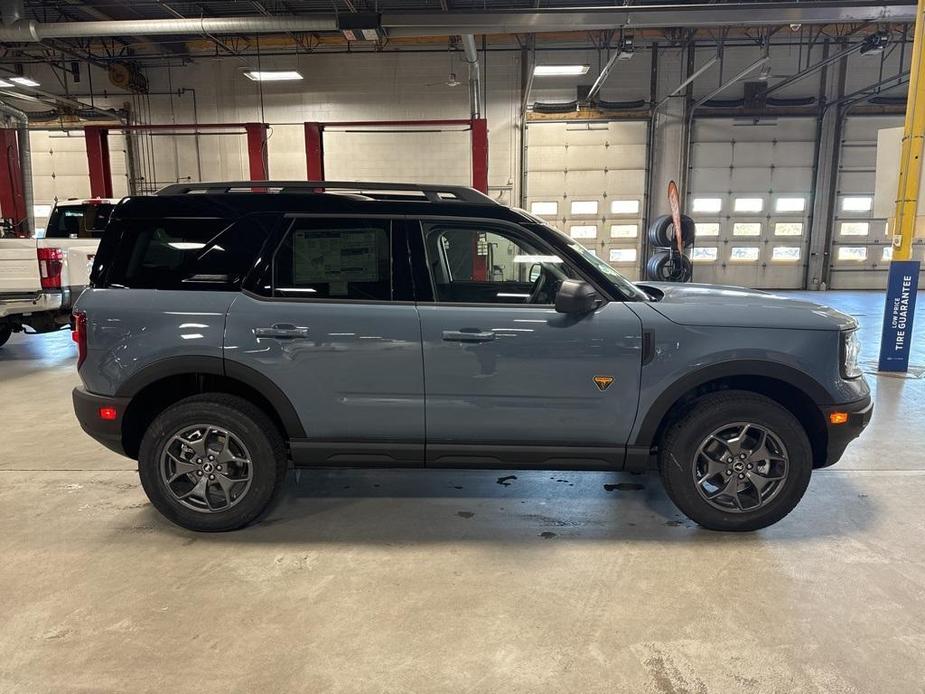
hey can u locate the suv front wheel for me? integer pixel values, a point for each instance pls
(212, 462)
(735, 461)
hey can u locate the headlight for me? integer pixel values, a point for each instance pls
(850, 351)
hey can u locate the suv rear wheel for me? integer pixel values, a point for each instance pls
(736, 461)
(212, 462)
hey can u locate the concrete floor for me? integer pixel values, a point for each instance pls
(443, 581)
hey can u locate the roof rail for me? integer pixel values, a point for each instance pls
(432, 192)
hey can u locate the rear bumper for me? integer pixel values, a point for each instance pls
(107, 431)
(26, 303)
(840, 435)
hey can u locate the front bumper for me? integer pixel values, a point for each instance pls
(840, 435)
(107, 431)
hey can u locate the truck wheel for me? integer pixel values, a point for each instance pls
(5, 332)
(212, 462)
(735, 461)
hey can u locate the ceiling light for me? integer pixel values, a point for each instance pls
(24, 81)
(4, 83)
(559, 70)
(272, 75)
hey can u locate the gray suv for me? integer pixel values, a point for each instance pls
(233, 328)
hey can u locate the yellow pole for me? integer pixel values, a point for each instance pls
(910, 161)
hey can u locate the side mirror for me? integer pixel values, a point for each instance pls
(575, 296)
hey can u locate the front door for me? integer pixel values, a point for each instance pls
(508, 379)
(329, 326)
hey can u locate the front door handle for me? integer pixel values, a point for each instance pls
(468, 335)
(282, 331)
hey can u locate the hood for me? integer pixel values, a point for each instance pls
(739, 307)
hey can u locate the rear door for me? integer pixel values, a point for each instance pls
(509, 380)
(332, 324)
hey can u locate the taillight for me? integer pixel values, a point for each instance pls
(51, 261)
(79, 335)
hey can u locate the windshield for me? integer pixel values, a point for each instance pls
(626, 288)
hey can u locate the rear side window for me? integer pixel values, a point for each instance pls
(78, 221)
(186, 253)
(335, 260)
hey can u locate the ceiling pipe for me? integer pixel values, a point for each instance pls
(462, 22)
(25, 159)
(475, 75)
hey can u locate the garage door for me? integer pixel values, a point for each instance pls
(60, 170)
(749, 194)
(861, 250)
(588, 179)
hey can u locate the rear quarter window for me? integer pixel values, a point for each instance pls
(184, 253)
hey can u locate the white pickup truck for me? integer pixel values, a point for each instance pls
(41, 278)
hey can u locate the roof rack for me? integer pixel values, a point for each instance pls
(431, 192)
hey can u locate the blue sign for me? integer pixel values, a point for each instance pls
(896, 339)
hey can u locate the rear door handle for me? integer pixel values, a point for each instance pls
(282, 331)
(464, 335)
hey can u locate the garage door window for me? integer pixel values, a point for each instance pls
(790, 205)
(887, 253)
(788, 229)
(544, 209)
(624, 231)
(706, 229)
(852, 253)
(708, 205)
(746, 229)
(705, 254)
(854, 228)
(748, 204)
(624, 207)
(785, 253)
(744, 254)
(584, 207)
(859, 203)
(583, 231)
(622, 255)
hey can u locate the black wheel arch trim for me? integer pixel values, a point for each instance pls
(653, 417)
(217, 366)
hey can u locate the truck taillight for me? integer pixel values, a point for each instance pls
(79, 335)
(51, 261)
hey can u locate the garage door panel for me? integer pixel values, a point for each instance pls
(583, 183)
(711, 154)
(585, 157)
(626, 182)
(547, 158)
(626, 157)
(626, 133)
(791, 180)
(858, 157)
(856, 182)
(711, 180)
(752, 153)
(794, 153)
(751, 180)
(583, 136)
(544, 134)
(546, 183)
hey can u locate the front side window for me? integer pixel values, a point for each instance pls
(335, 260)
(470, 264)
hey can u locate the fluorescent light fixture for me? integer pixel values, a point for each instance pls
(559, 70)
(4, 83)
(272, 75)
(24, 81)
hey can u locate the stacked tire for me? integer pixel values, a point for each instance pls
(667, 264)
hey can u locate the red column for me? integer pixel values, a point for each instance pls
(314, 151)
(12, 200)
(98, 161)
(257, 151)
(480, 154)
(480, 267)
